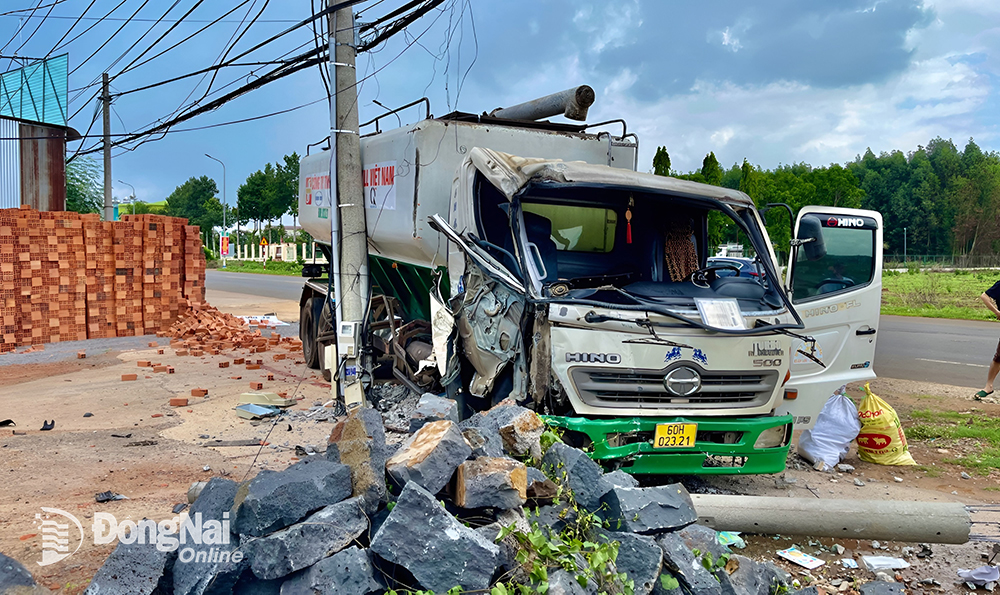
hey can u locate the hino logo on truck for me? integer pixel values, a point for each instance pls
(594, 358)
(845, 222)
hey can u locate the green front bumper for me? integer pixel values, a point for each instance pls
(635, 453)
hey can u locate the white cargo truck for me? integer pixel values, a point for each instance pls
(530, 260)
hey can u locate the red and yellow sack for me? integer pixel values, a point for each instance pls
(881, 439)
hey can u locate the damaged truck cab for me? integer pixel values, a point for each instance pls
(581, 288)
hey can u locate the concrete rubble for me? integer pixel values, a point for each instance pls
(437, 513)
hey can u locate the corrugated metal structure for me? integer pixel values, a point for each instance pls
(33, 164)
(33, 135)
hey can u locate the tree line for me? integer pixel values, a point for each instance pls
(947, 200)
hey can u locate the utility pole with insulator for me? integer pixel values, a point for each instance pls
(109, 209)
(349, 206)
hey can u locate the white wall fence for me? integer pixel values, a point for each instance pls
(280, 252)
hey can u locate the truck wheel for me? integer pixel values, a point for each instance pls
(308, 323)
(324, 317)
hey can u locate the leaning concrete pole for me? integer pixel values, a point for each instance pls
(350, 195)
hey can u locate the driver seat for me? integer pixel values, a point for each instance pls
(539, 232)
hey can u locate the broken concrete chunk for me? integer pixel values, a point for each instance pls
(349, 572)
(491, 481)
(562, 582)
(577, 472)
(438, 550)
(358, 441)
(429, 457)
(484, 442)
(431, 408)
(131, 569)
(213, 503)
(649, 510)
(555, 517)
(639, 558)
(13, 575)
(682, 563)
(621, 479)
(321, 534)
(275, 500)
(540, 487)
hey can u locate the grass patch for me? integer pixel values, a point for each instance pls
(291, 269)
(951, 425)
(931, 471)
(937, 295)
(992, 489)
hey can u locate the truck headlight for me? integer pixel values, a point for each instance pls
(773, 437)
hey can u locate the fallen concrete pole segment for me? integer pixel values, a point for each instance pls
(931, 522)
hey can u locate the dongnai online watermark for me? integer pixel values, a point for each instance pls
(182, 534)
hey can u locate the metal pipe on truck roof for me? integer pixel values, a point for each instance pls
(931, 522)
(572, 103)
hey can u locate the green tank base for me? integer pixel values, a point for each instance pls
(726, 446)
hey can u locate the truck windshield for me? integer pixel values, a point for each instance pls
(621, 247)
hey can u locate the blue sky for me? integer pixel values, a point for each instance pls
(774, 82)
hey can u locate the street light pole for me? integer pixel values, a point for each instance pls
(223, 205)
(133, 194)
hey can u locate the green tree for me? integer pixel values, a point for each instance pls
(661, 162)
(711, 170)
(84, 189)
(196, 201)
(251, 198)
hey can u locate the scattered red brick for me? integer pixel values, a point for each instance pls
(256, 385)
(81, 355)
(153, 344)
(223, 364)
(126, 377)
(159, 352)
(270, 376)
(253, 366)
(178, 402)
(236, 378)
(159, 369)
(156, 415)
(142, 363)
(239, 361)
(181, 352)
(199, 392)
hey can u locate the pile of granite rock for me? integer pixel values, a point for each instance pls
(429, 514)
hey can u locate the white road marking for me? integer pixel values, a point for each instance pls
(938, 361)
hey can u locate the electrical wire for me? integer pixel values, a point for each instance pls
(31, 10)
(42, 22)
(18, 32)
(145, 20)
(98, 22)
(108, 40)
(71, 27)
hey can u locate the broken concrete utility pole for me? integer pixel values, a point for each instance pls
(350, 206)
(109, 209)
(933, 522)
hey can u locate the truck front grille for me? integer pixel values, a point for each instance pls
(644, 389)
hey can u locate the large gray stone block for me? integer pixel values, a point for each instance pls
(491, 482)
(484, 442)
(686, 567)
(358, 441)
(348, 572)
(131, 569)
(321, 534)
(704, 539)
(429, 457)
(649, 510)
(13, 574)
(431, 408)
(438, 550)
(219, 573)
(577, 472)
(276, 499)
(621, 479)
(639, 558)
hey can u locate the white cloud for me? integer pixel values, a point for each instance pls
(611, 27)
(730, 41)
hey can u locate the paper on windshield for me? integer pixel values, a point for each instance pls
(720, 313)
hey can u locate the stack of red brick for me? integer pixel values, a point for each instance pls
(66, 276)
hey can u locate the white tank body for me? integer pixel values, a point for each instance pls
(409, 171)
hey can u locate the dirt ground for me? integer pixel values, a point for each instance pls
(136, 445)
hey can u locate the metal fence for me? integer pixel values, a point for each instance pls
(931, 261)
(10, 164)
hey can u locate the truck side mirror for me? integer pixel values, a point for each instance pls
(810, 237)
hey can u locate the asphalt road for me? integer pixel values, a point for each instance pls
(273, 286)
(956, 352)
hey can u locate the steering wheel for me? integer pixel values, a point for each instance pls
(842, 283)
(701, 276)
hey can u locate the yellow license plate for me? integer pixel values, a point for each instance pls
(675, 435)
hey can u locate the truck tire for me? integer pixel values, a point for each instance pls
(324, 321)
(309, 329)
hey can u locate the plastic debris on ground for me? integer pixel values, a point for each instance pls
(801, 558)
(251, 411)
(849, 563)
(980, 576)
(266, 399)
(874, 563)
(730, 538)
(266, 320)
(109, 496)
(837, 425)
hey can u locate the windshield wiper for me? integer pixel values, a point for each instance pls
(593, 317)
(811, 354)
